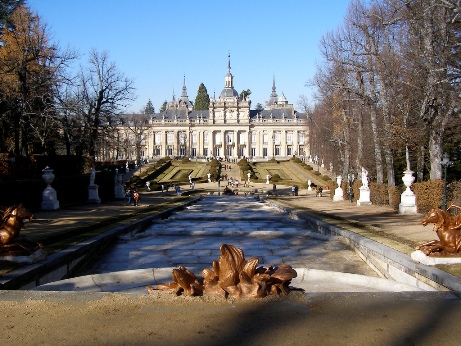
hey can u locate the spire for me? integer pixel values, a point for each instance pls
(184, 89)
(274, 97)
(184, 99)
(229, 92)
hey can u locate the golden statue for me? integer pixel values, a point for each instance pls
(232, 276)
(447, 228)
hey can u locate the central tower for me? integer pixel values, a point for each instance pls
(228, 109)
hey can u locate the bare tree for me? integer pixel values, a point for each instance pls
(136, 126)
(102, 92)
(434, 28)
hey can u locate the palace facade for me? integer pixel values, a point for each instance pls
(228, 129)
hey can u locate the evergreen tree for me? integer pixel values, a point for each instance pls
(243, 95)
(149, 109)
(163, 108)
(202, 101)
(259, 107)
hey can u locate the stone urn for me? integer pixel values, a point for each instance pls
(339, 194)
(408, 179)
(49, 196)
(48, 175)
(407, 198)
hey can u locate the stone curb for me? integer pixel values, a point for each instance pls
(58, 265)
(387, 261)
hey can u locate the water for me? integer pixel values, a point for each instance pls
(192, 238)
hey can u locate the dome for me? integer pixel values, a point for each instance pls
(229, 92)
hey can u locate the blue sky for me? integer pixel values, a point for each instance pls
(157, 42)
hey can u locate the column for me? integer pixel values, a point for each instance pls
(210, 143)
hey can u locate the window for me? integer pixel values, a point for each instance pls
(253, 151)
(301, 138)
(277, 150)
(194, 138)
(205, 151)
(158, 138)
(241, 153)
(289, 138)
(277, 137)
(182, 138)
(289, 151)
(242, 138)
(218, 139)
(194, 152)
(265, 139)
(253, 138)
(169, 139)
(265, 152)
(230, 138)
(205, 137)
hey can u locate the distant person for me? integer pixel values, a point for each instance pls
(128, 195)
(136, 197)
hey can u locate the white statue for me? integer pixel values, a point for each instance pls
(248, 175)
(209, 179)
(267, 178)
(364, 177)
(92, 175)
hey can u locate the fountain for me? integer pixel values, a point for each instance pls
(233, 276)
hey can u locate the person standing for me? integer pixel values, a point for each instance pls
(128, 196)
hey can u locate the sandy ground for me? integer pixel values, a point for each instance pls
(51, 318)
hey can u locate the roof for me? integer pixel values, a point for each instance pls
(278, 114)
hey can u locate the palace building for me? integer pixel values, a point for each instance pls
(228, 129)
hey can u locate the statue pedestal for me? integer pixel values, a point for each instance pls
(339, 195)
(32, 258)
(119, 193)
(93, 196)
(364, 196)
(49, 199)
(407, 203)
(421, 257)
